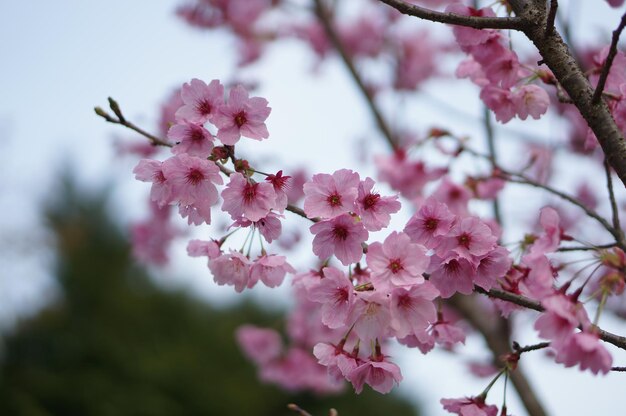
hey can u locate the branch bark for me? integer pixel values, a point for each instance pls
(561, 62)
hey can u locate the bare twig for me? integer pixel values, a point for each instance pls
(597, 94)
(476, 22)
(326, 22)
(554, 4)
(491, 145)
(528, 348)
(622, 369)
(587, 248)
(614, 210)
(617, 340)
(121, 120)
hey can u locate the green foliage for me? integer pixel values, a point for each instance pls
(115, 344)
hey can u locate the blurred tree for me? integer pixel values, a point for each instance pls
(115, 344)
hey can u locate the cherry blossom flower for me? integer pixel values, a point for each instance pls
(500, 101)
(261, 345)
(530, 100)
(269, 269)
(455, 196)
(192, 179)
(396, 261)
(336, 294)
(451, 275)
(375, 211)
(242, 116)
(280, 184)
(562, 316)
(379, 375)
(341, 236)
(151, 238)
(148, 170)
(243, 198)
(201, 101)
(371, 315)
(430, 223)
(468, 238)
(231, 269)
(327, 196)
(586, 350)
(191, 138)
(200, 248)
(412, 309)
(469, 406)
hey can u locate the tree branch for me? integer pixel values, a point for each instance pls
(560, 60)
(476, 22)
(597, 94)
(325, 20)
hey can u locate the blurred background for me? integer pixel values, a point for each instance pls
(85, 329)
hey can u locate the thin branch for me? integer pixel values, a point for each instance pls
(325, 19)
(587, 248)
(597, 94)
(614, 210)
(476, 22)
(528, 348)
(121, 120)
(617, 340)
(554, 4)
(491, 145)
(618, 369)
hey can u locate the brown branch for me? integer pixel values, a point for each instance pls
(563, 65)
(609, 61)
(121, 120)
(614, 210)
(528, 348)
(554, 4)
(325, 20)
(587, 248)
(491, 145)
(617, 340)
(618, 369)
(497, 338)
(476, 22)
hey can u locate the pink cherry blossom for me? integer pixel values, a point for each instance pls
(152, 237)
(336, 294)
(200, 248)
(396, 261)
(269, 269)
(417, 61)
(341, 236)
(469, 406)
(455, 196)
(447, 334)
(562, 316)
(465, 36)
(192, 179)
(379, 375)
(196, 213)
(492, 267)
(261, 345)
(404, 175)
(231, 269)
(191, 138)
(269, 226)
(242, 116)
(530, 100)
(550, 239)
(148, 170)
(202, 101)
(412, 309)
(327, 196)
(430, 223)
(501, 101)
(375, 210)
(468, 238)
(586, 350)
(244, 198)
(451, 275)
(371, 315)
(281, 184)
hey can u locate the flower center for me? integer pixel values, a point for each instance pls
(465, 240)
(334, 199)
(395, 266)
(431, 223)
(340, 232)
(370, 200)
(204, 107)
(196, 135)
(240, 118)
(195, 176)
(249, 192)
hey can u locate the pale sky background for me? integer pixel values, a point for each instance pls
(60, 59)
